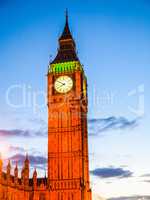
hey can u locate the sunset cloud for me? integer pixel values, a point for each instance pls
(131, 198)
(21, 133)
(35, 161)
(111, 172)
(145, 175)
(15, 149)
(97, 126)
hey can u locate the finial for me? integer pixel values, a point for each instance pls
(26, 159)
(26, 156)
(9, 165)
(16, 165)
(66, 15)
(35, 172)
(8, 168)
(35, 177)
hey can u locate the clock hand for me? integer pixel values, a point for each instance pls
(61, 83)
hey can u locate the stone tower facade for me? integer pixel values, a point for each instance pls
(68, 164)
(68, 170)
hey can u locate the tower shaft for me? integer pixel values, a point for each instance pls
(68, 165)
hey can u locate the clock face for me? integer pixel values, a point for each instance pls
(63, 84)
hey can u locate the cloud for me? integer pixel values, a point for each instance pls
(22, 133)
(131, 198)
(97, 126)
(146, 181)
(145, 175)
(111, 172)
(16, 149)
(35, 161)
(97, 197)
(37, 127)
(13, 150)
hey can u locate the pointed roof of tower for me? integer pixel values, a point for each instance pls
(26, 161)
(16, 167)
(67, 47)
(35, 173)
(66, 32)
(8, 168)
(16, 170)
(9, 164)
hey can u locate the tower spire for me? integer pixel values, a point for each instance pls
(66, 32)
(66, 15)
(67, 46)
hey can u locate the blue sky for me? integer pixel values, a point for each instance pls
(113, 43)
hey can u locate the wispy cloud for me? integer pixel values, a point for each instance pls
(36, 127)
(13, 149)
(130, 198)
(35, 161)
(22, 133)
(18, 155)
(146, 181)
(97, 197)
(97, 126)
(111, 172)
(145, 175)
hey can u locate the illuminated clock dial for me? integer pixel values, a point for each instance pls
(63, 84)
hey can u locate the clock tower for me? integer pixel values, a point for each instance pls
(68, 163)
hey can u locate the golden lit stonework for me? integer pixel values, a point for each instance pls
(68, 163)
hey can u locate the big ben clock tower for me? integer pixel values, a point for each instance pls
(68, 164)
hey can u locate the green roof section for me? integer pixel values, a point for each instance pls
(70, 66)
